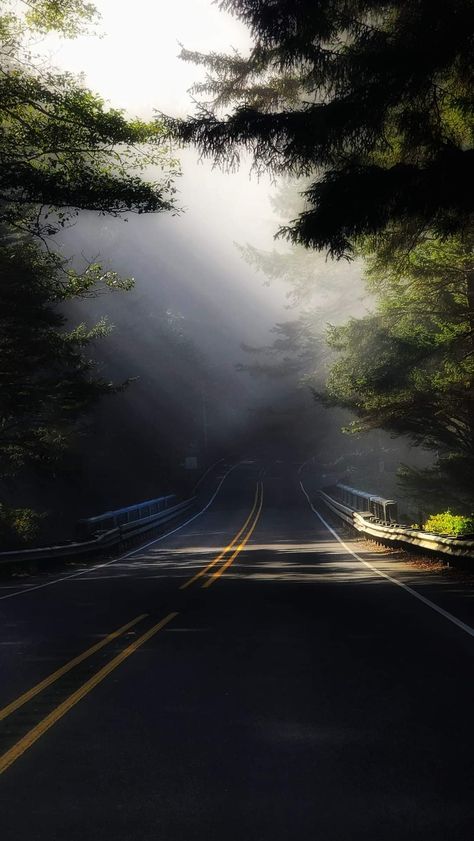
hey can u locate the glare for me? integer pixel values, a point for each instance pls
(134, 62)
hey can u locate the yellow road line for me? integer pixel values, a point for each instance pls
(241, 545)
(224, 551)
(27, 741)
(52, 678)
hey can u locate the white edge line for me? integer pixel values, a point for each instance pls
(178, 528)
(121, 557)
(201, 479)
(449, 616)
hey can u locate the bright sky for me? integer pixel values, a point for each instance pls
(134, 64)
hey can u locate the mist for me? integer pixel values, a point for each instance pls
(188, 335)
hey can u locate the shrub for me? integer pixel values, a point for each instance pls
(18, 526)
(448, 523)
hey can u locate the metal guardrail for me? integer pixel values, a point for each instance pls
(92, 526)
(398, 534)
(383, 509)
(119, 536)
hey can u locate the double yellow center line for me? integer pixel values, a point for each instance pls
(228, 555)
(35, 733)
(243, 536)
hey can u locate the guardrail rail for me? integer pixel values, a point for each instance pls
(114, 529)
(395, 533)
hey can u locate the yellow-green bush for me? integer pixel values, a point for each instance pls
(448, 523)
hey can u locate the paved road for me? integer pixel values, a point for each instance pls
(289, 692)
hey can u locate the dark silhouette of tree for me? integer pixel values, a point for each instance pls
(372, 100)
(47, 378)
(61, 148)
(373, 103)
(408, 367)
(61, 151)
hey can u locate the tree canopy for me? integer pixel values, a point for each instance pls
(373, 100)
(61, 150)
(408, 367)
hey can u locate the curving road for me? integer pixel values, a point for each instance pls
(245, 677)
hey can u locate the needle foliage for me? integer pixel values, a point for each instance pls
(371, 100)
(408, 366)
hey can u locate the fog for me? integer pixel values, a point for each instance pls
(181, 334)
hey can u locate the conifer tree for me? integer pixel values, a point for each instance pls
(373, 100)
(408, 367)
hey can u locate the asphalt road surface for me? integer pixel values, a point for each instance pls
(245, 677)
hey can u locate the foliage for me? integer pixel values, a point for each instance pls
(448, 481)
(310, 278)
(314, 289)
(69, 17)
(408, 367)
(372, 100)
(448, 523)
(293, 352)
(47, 378)
(18, 525)
(61, 150)
(373, 103)
(20, 18)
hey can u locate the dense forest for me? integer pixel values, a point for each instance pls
(62, 150)
(363, 114)
(373, 105)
